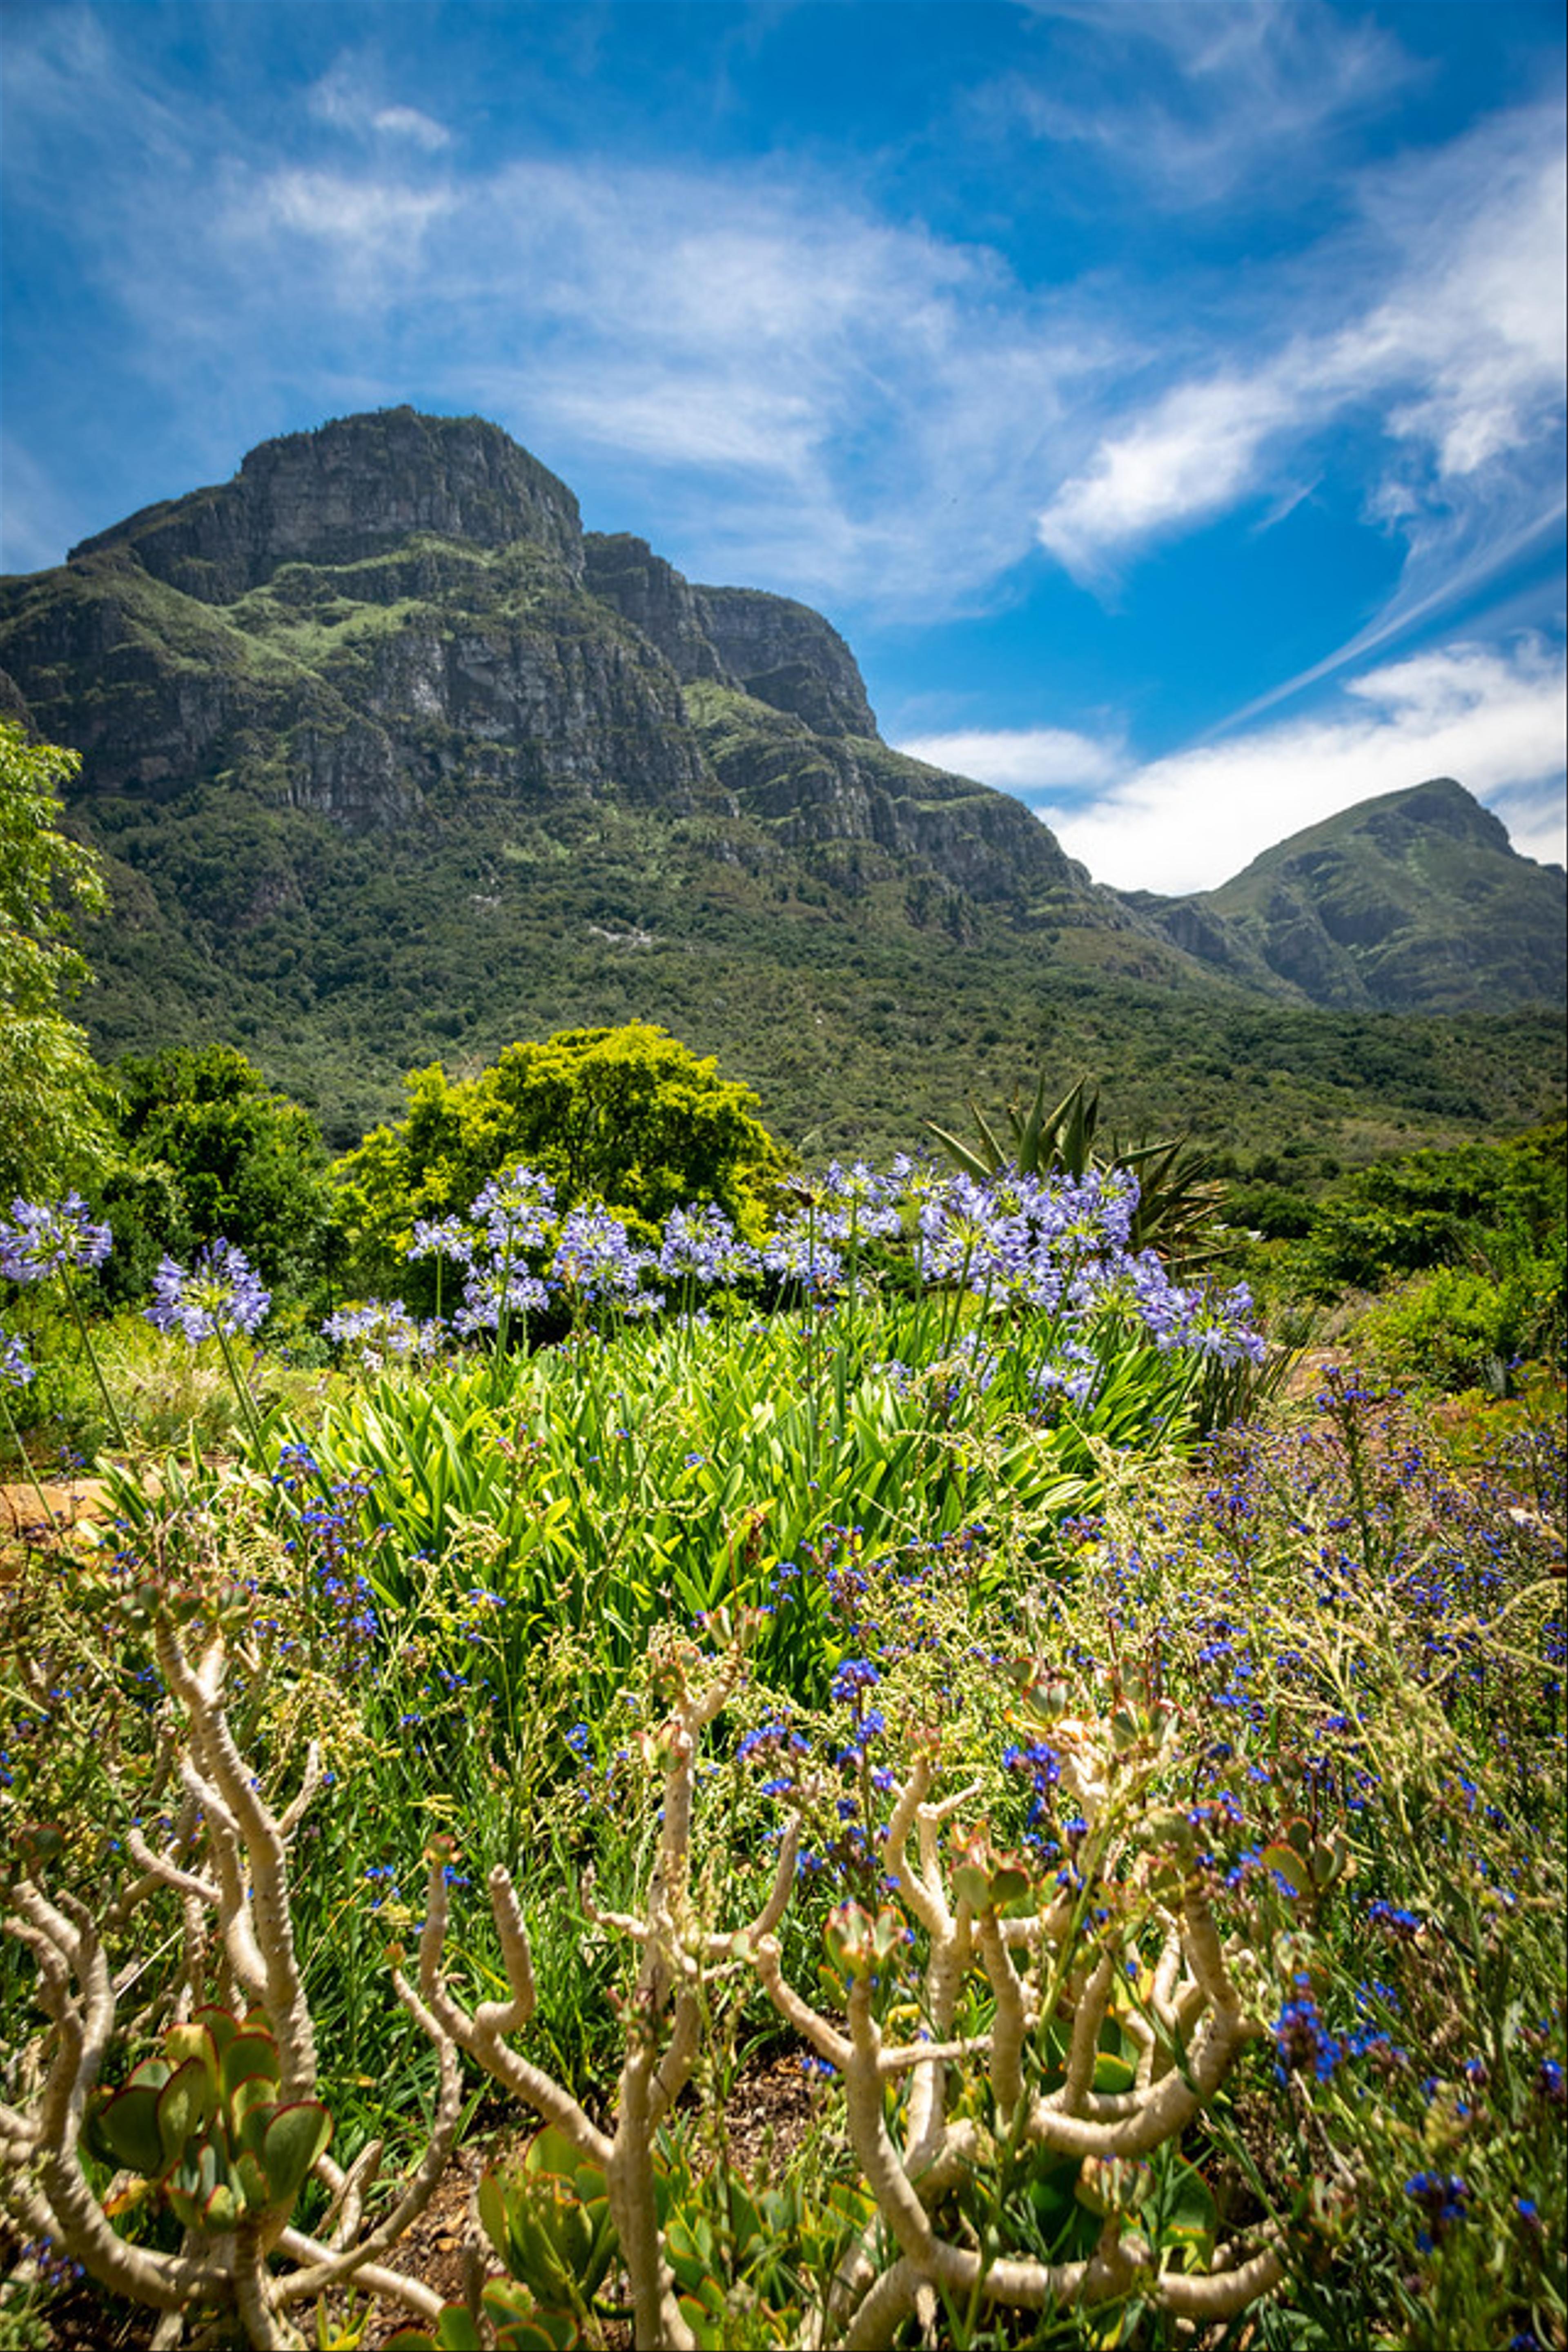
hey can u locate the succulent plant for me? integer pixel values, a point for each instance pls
(204, 2121)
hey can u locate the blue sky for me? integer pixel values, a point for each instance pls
(1166, 401)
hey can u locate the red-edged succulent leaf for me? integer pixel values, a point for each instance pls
(297, 2134)
(185, 2105)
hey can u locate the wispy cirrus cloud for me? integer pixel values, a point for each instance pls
(1246, 86)
(1491, 716)
(794, 381)
(1027, 761)
(1452, 353)
(346, 98)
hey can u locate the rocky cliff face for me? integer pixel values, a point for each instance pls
(785, 655)
(654, 597)
(772, 650)
(387, 649)
(348, 491)
(400, 614)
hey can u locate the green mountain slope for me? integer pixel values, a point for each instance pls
(1412, 900)
(392, 761)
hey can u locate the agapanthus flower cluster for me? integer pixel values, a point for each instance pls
(445, 1237)
(798, 1254)
(50, 1238)
(221, 1293)
(701, 1246)
(513, 1214)
(15, 1368)
(855, 1204)
(514, 1211)
(1060, 1244)
(494, 1294)
(594, 1261)
(382, 1331)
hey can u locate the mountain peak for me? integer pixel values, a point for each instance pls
(347, 491)
(1416, 898)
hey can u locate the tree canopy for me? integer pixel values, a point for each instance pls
(52, 1128)
(628, 1117)
(212, 1151)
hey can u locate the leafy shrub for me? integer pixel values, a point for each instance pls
(1430, 1207)
(1459, 1327)
(211, 1152)
(627, 1117)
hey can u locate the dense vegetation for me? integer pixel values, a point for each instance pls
(848, 1012)
(927, 1568)
(697, 1579)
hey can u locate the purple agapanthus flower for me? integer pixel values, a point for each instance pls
(50, 1238)
(382, 1328)
(16, 1370)
(490, 1293)
(856, 1205)
(513, 1210)
(796, 1253)
(593, 1258)
(221, 1294)
(441, 1237)
(701, 1246)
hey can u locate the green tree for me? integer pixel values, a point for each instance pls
(52, 1127)
(628, 1117)
(210, 1149)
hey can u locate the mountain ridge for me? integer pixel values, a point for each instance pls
(380, 746)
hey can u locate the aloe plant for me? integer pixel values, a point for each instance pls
(1177, 1196)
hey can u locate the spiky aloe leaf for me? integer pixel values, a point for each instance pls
(297, 2134)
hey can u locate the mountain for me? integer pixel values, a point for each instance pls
(390, 760)
(1413, 900)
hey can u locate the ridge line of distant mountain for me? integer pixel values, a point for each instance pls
(397, 621)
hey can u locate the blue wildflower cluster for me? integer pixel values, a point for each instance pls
(1444, 2198)
(332, 1551)
(220, 1294)
(45, 1239)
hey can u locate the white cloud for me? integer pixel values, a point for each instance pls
(1248, 88)
(1197, 453)
(839, 405)
(1492, 719)
(1459, 356)
(1025, 760)
(345, 98)
(367, 220)
(798, 388)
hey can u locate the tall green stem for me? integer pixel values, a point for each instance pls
(28, 1467)
(242, 1392)
(115, 1423)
